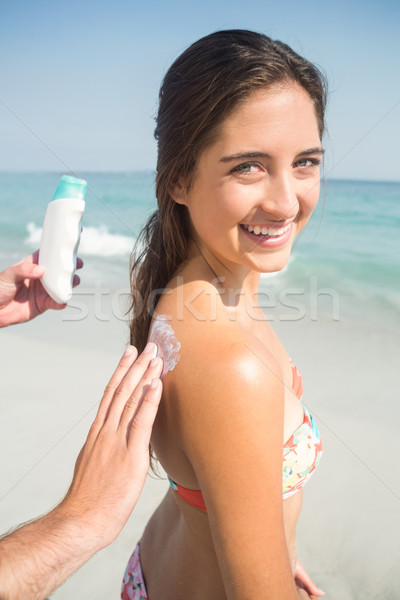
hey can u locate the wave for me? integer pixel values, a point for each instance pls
(95, 241)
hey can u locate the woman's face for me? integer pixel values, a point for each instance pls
(256, 186)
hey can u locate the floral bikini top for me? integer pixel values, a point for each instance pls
(301, 455)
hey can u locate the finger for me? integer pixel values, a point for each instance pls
(45, 301)
(79, 263)
(129, 383)
(76, 281)
(142, 423)
(36, 272)
(132, 405)
(124, 364)
(34, 258)
(49, 303)
(302, 594)
(303, 577)
(20, 271)
(31, 258)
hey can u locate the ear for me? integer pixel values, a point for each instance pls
(178, 191)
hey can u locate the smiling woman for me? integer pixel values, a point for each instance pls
(239, 132)
(238, 201)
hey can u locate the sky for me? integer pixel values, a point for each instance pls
(79, 80)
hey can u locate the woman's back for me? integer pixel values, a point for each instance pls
(224, 358)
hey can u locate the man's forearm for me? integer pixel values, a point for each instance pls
(38, 557)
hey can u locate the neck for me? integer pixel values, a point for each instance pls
(236, 284)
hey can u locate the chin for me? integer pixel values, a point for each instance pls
(274, 264)
(271, 270)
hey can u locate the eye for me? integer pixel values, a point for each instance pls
(305, 163)
(247, 169)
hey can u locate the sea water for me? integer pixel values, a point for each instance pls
(344, 265)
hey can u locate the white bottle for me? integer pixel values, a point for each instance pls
(60, 238)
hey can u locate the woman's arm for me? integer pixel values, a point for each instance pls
(231, 427)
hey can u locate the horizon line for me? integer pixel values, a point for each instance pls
(151, 170)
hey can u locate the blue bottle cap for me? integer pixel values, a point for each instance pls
(71, 187)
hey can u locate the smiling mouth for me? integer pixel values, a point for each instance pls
(266, 231)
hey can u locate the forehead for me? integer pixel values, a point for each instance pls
(281, 116)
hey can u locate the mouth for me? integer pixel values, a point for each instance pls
(266, 231)
(267, 236)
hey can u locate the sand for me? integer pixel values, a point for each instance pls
(54, 370)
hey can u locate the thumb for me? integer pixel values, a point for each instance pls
(22, 270)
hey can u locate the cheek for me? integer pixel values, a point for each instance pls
(204, 219)
(215, 213)
(309, 200)
(308, 204)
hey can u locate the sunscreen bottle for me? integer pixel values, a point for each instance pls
(60, 237)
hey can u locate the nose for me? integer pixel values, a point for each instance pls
(280, 200)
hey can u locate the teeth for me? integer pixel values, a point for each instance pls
(271, 231)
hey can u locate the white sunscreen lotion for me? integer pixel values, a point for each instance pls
(168, 346)
(60, 238)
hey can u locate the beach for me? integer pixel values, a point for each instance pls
(54, 370)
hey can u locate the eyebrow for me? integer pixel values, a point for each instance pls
(244, 156)
(252, 155)
(317, 150)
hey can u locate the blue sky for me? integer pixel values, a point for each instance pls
(79, 81)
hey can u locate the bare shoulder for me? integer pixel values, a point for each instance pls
(221, 352)
(218, 361)
(218, 364)
(211, 340)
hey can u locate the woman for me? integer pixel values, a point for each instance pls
(239, 133)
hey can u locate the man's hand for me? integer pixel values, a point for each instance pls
(112, 466)
(305, 585)
(109, 475)
(22, 296)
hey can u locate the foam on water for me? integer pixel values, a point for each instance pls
(95, 241)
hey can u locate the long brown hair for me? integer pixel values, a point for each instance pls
(201, 88)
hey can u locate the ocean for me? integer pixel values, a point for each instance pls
(344, 265)
(343, 275)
